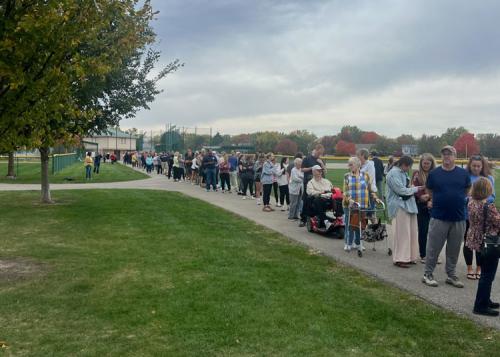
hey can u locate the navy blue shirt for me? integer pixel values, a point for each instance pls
(209, 161)
(448, 193)
(233, 161)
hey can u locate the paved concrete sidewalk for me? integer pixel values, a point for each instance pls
(376, 263)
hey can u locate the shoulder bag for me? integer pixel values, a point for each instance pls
(491, 243)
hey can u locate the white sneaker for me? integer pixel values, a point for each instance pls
(259, 202)
(252, 198)
(283, 209)
(244, 198)
(347, 248)
(429, 281)
(278, 205)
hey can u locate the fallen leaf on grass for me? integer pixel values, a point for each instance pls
(3, 345)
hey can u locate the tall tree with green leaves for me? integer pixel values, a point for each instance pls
(72, 66)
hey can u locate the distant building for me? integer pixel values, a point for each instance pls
(409, 150)
(112, 141)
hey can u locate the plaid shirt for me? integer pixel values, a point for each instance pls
(357, 188)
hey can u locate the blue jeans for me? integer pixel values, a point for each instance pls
(488, 271)
(88, 172)
(210, 179)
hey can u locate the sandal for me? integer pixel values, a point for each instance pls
(478, 276)
(471, 276)
(401, 265)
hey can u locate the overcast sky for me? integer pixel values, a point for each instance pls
(392, 66)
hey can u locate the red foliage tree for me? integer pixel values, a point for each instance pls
(466, 145)
(345, 148)
(369, 137)
(286, 147)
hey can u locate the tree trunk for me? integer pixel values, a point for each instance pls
(10, 167)
(44, 159)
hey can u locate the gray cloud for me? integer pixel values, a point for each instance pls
(306, 64)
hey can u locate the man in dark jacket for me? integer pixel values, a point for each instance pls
(210, 166)
(379, 174)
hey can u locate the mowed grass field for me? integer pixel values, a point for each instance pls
(30, 173)
(149, 273)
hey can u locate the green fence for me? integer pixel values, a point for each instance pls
(60, 161)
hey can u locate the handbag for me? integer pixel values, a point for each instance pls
(491, 243)
(355, 222)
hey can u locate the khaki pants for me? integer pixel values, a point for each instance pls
(405, 237)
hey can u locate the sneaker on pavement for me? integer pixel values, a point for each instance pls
(486, 312)
(454, 282)
(429, 280)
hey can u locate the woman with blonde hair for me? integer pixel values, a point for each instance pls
(224, 167)
(426, 165)
(484, 219)
(477, 167)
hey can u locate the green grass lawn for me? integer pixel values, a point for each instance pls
(30, 173)
(129, 272)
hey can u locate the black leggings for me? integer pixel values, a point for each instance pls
(275, 189)
(267, 193)
(320, 206)
(468, 255)
(247, 182)
(224, 181)
(284, 195)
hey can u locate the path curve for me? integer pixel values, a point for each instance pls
(375, 263)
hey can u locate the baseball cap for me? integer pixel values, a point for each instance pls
(317, 167)
(449, 148)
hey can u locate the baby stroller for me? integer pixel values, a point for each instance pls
(335, 214)
(370, 228)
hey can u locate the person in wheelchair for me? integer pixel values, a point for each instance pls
(319, 192)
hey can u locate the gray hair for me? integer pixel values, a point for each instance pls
(298, 160)
(363, 153)
(355, 161)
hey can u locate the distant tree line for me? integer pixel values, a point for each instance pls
(344, 142)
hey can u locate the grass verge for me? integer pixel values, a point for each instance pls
(129, 272)
(30, 173)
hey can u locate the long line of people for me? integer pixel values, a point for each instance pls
(436, 205)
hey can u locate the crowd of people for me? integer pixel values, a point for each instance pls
(436, 205)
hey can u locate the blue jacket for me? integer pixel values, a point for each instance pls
(267, 173)
(397, 181)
